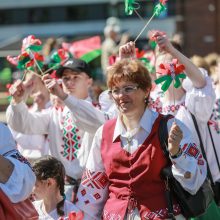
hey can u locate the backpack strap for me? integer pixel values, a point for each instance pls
(163, 134)
(213, 145)
(163, 138)
(202, 148)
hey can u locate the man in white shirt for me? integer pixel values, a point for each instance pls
(70, 129)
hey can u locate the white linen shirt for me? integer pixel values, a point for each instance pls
(84, 115)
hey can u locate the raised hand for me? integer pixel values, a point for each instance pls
(17, 91)
(174, 139)
(53, 87)
(163, 42)
(127, 51)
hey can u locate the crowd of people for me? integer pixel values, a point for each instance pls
(78, 159)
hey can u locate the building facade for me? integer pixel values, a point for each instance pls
(199, 22)
(74, 18)
(196, 20)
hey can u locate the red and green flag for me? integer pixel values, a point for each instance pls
(87, 49)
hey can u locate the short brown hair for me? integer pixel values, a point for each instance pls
(129, 70)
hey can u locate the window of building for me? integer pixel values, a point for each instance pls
(76, 13)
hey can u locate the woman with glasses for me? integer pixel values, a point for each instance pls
(122, 178)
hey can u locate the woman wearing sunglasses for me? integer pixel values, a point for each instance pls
(123, 180)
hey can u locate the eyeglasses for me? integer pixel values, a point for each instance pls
(125, 90)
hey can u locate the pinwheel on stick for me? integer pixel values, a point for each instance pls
(130, 6)
(158, 9)
(58, 58)
(172, 72)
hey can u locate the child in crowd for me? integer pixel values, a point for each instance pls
(49, 190)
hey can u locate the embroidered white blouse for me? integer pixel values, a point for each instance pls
(92, 204)
(200, 102)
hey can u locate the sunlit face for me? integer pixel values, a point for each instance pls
(76, 83)
(128, 97)
(40, 189)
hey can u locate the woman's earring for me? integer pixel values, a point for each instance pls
(146, 100)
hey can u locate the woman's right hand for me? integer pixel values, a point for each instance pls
(174, 139)
(163, 42)
(127, 51)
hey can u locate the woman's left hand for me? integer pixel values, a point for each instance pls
(174, 139)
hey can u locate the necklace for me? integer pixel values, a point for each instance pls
(129, 136)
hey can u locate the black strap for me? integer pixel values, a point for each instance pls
(163, 138)
(163, 134)
(213, 145)
(202, 147)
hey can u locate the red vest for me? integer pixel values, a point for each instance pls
(134, 179)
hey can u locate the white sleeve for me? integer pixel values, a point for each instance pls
(88, 118)
(93, 190)
(22, 120)
(191, 161)
(33, 142)
(21, 182)
(108, 106)
(200, 102)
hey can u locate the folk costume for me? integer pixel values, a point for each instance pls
(122, 177)
(70, 129)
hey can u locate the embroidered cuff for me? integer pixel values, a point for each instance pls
(178, 154)
(180, 160)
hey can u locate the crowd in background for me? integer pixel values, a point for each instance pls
(67, 133)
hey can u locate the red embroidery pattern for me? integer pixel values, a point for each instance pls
(95, 180)
(161, 214)
(201, 160)
(172, 108)
(97, 196)
(156, 105)
(192, 150)
(83, 192)
(91, 187)
(70, 138)
(111, 216)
